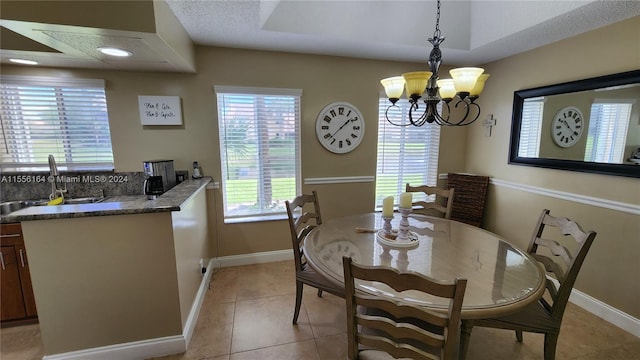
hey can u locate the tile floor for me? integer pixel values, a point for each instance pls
(247, 315)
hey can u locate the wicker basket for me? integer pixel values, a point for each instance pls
(469, 197)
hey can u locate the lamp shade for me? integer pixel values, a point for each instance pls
(447, 89)
(393, 86)
(465, 78)
(416, 82)
(479, 86)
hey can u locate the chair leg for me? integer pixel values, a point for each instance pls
(299, 287)
(319, 293)
(519, 335)
(550, 342)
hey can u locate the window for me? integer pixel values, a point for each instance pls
(607, 134)
(406, 154)
(260, 150)
(531, 127)
(63, 117)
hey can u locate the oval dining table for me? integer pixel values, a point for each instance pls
(500, 277)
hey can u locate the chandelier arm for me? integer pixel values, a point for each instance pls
(464, 120)
(466, 112)
(440, 119)
(418, 122)
(386, 115)
(477, 113)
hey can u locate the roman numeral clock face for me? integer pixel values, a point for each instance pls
(567, 126)
(340, 127)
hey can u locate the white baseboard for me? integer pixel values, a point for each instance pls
(255, 258)
(145, 349)
(612, 315)
(604, 311)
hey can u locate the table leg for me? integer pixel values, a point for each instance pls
(465, 336)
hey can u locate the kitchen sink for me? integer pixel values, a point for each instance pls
(11, 206)
(84, 200)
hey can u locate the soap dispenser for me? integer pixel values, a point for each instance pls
(197, 173)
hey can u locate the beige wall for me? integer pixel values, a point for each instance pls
(613, 258)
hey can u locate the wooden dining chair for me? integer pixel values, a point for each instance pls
(390, 328)
(433, 207)
(545, 315)
(301, 222)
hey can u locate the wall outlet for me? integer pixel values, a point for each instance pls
(202, 268)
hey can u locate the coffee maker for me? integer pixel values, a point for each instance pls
(160, 177)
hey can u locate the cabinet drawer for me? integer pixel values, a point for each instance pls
(11, 234)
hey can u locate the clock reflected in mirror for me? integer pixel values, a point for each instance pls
(340, 127)
(567, 126)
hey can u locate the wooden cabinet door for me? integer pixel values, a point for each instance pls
(12, 306)
(25, 280)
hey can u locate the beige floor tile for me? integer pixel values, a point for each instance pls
(327, 314)
(293, 351)
(578, 325)
(497, 344)
(332, 347)
(223, 286)
(212, 335)
(264, 280)
(21, 343)
(266, 322)
(628, 351)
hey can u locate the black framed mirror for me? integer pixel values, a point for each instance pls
(590, 125)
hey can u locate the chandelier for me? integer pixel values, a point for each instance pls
(462, 90)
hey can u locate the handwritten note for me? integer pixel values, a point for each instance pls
(160, 110)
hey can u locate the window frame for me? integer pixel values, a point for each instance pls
(296, 95)
(17, 108)
(431, 153)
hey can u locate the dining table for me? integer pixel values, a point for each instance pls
(501, 278)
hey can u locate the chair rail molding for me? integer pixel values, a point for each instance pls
(583, 199)
(563, 195)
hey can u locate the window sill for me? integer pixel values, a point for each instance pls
(249, 219)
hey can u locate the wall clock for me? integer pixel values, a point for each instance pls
(567, 126)
(340, 127)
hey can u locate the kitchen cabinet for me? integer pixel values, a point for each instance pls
(16, 293)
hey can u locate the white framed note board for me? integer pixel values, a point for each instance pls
(160, 110)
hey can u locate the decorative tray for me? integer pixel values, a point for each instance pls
(392, 242)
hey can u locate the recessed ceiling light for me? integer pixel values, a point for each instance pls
(114, 51)
(24, 61)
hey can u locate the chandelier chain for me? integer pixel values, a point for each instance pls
(436, 33)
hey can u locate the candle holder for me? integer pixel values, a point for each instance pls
(386, 228)
(403, 228)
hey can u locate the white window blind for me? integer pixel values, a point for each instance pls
(260, 150)
(608, 126)
(63, 117)
(530, 127)
(406, 154)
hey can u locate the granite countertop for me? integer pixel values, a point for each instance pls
(172, 200)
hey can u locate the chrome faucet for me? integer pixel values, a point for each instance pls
(53, 168)
(53, 174)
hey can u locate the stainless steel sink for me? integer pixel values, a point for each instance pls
(11, 206)
(84, 200)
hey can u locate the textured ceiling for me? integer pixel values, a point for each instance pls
(476, 31)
